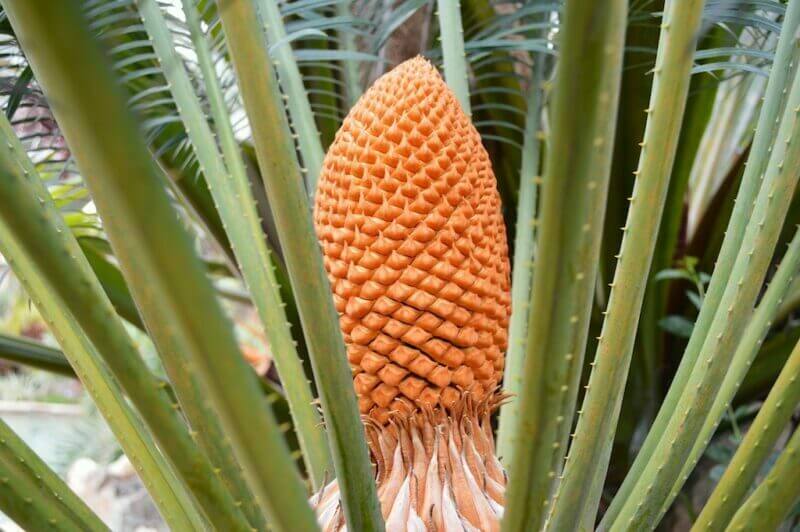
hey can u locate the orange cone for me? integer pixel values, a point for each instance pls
(409, 219)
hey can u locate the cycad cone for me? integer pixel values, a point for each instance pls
(409, 218)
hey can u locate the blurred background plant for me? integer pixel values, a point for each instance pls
(177, 67)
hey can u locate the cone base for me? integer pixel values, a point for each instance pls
(436, 470)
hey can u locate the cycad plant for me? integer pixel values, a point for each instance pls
(572, 227)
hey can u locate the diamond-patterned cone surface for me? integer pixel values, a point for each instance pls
(410, 222)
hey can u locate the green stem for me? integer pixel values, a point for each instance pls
(230, 189)
(203, 421)
(34, 496)
(767, 366)
(53, 246)
(791, 301)
(578, 496)
(451, 34)
(113, 283)
(38, 280)
(284, 186)
(266, 289)
(352, 78)
(773, 499)
(751, 181)
(754, 334)
(522, 269)
(575, 185)
(645, 504)
(758, 443)
(295, 95)
(35, 355)
(166, 278)
(649, 349)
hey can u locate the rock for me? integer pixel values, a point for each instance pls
(116, 494)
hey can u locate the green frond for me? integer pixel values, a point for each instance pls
(725, 329)
(34, 354)
(576, 171)
(155, 252)
(281, 176)
(34, 496)
(45, 285)
(748, 191)
(778, 493)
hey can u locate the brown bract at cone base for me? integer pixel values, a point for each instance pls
(410, 223)
(436, 470)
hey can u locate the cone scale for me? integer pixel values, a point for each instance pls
(409, 219)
